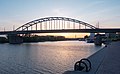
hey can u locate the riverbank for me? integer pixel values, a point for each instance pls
(105, 61)
(36, 38)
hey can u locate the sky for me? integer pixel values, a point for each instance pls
(19, 12)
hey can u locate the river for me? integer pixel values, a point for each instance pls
(43, 57)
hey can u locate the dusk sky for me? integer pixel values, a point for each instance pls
(19, 12)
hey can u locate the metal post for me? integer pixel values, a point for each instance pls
(54, 24)
(64, 24)
(68, 25)
(22, 28)
(13, 27)
(51, 24)
(59, 24)
(73, 25)
(31, 27)
(79, 26)
(46, 25)
(41, 26)
(4, 28)
(27, 28)
(36, 26)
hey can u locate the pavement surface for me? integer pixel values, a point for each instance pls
(105, 61)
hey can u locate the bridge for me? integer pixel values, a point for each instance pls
(58, 25)
(54, 25)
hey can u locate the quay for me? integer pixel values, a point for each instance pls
(105, 61)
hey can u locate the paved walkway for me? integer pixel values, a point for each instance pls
(105, 61)
(111, 62)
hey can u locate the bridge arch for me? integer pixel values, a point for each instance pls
(56, 20)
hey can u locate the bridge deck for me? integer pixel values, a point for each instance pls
(63, 31)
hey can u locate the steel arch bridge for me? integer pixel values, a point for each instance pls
(55, 23)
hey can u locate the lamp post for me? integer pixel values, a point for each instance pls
(4, 28)
(13, 27)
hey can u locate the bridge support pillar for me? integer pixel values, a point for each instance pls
(14, 39)
(98, 40)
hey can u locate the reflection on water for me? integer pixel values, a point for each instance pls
(43, 57)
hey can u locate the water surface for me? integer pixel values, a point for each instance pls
(43, 57)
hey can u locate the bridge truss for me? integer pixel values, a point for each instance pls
(54, 23)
